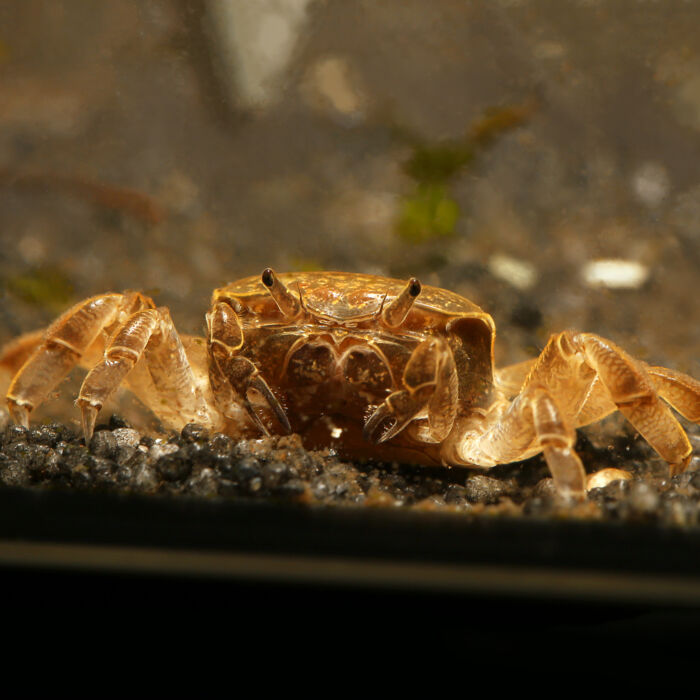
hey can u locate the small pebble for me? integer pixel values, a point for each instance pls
(44, 435)
(204, 484)
(193, 432)
(274, 473)
(246, 469)
(80, 476)
(103, 444)
(102, 471)
(456, 495)
(173, 467)
(144, 478)
(12, 473)
(127, 437)
(484, 489)
(16, 433)
(160, 449)
(124, 454)
(53, 466)
(545, 489)
(602, 478)
(222, 444)
(116, 422)
(642, 498)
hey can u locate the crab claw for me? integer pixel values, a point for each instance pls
(259, 384)
(403, 407)
(242, 375)
(374, 421)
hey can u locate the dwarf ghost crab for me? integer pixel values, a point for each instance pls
(370, 366)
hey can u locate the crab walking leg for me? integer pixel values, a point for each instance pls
(62, 347)
(15, 353)
(126, 348)
(557, 438)
(533, 422)
(149, 334)
(679, 390)
(510, 379)
(591, 377)
(634, 392)
(179, 398)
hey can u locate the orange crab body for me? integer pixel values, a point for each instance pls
(337, 360)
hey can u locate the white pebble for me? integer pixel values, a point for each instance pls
(519, 273)
(615, 274)
(602, 478)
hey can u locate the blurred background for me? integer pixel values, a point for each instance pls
(540, 157)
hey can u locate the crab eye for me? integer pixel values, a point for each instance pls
(287, 303)
(395, 314)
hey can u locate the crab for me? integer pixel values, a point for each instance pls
(369, 366)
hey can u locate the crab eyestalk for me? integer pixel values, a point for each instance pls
(287, 303)
(395, 314)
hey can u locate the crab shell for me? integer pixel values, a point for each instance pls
(332, 365)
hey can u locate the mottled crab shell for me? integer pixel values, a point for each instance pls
(345, 297)
(351, 305)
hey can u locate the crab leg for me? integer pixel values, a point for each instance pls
(122, 354)
(510, 379)
(430, 378)
(679, 390)
(149, 334)
(590, 377)
(579, 378)
(62, 347)
(533, 422)
(18, 351)
(633, 390)
(180, 399)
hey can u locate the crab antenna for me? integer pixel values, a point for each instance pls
(288, 304)
(395, 314)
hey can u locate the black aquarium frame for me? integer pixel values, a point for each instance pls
(379, 549)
